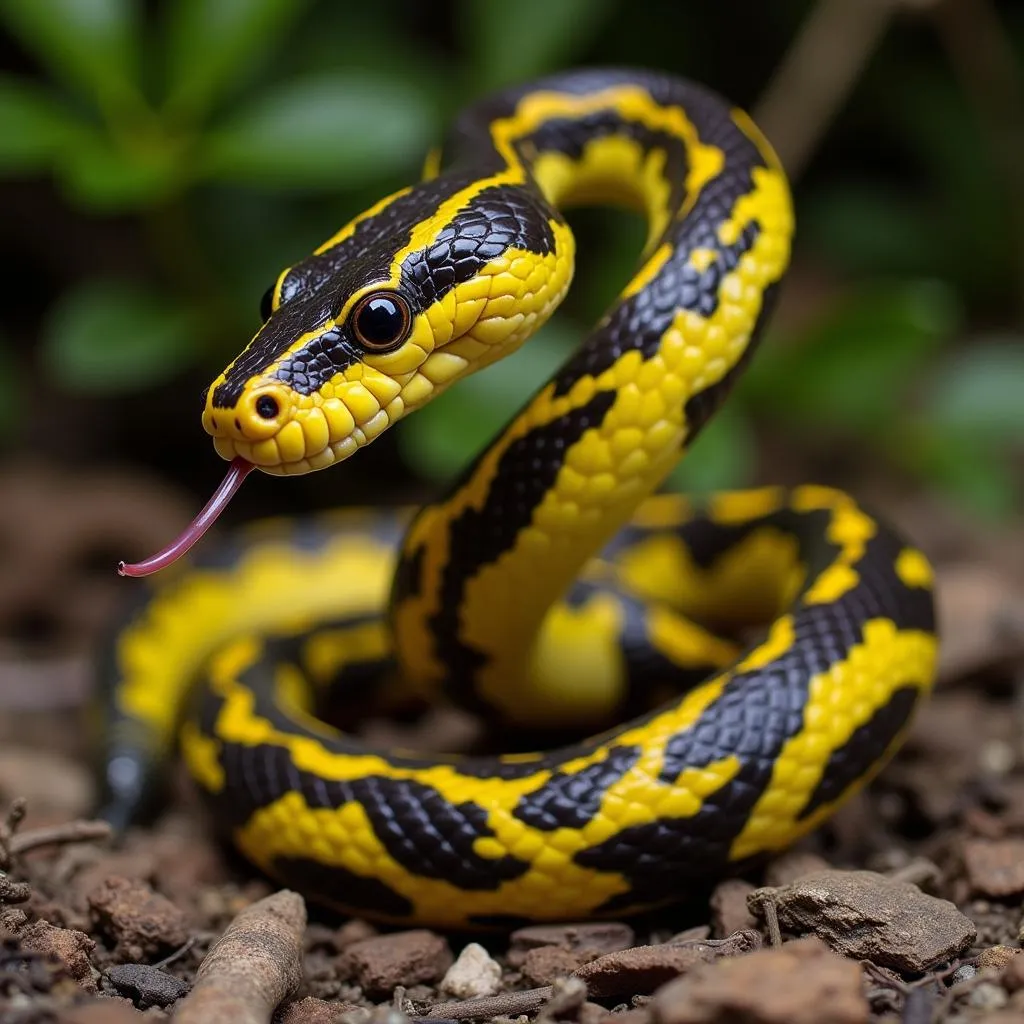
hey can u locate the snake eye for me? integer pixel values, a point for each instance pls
(267, 304)
(381, 321)
(267, 407)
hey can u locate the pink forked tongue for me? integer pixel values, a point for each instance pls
(240, 469)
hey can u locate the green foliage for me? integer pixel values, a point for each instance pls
(511, 42)
(330, 130)
(109, 336)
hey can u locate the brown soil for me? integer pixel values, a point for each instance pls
(906, 907)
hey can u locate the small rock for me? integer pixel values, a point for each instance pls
(473, 975)
(147, 986)
(867, 916)
(403, 958)
(1012, 977)
(995, 867)
(141, 921)
(568, 997)
(792, 866)
(963, 973)
(593, 938)
(12, 919)
(729, 909)
(314, 1011)
(988, 996)
(802, 982)
(641, 969)
(12, 891)
(542, 965)
(71, 947)
(997, 957)
(354, 931)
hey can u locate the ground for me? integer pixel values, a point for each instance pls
(852, 926)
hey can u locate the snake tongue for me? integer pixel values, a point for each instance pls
(239, 470)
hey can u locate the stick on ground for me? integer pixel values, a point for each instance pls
(252, 967)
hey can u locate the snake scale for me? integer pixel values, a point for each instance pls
(551, 584)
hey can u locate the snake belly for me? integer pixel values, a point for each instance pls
(550, 584)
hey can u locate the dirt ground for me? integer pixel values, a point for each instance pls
(908, 906)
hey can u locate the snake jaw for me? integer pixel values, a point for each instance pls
(237, 472)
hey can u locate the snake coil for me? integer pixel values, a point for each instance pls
(549, 585)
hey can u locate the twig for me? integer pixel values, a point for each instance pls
(981, 53)
(58, 835)
(176, 955)
(252, 967)
(771, 920)
(510, 1004)
(15, 816)
(818, 73)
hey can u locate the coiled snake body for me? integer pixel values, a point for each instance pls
(547, 586)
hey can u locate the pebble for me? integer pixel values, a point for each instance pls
(147, 986)
(996, 956)
(995, 867)
(473, 975)
(867, 916)
(71, 947)
(589, 938)
(381, 963)
(641, 969)
(729, 910)
(801, 982)
(542, 965)
(141, 921)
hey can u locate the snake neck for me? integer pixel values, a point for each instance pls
(481, 569)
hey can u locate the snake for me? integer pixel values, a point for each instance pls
(739, 663)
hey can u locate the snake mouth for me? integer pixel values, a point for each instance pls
(268, 457)
(237, 472)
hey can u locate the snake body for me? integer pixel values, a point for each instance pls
(550, 584)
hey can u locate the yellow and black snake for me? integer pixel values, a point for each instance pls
(548, 585)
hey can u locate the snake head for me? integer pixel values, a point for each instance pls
(424, 288)
(323, 386)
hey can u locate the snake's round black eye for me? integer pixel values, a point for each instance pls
(267, 304)
(381, 321)
(267, 407)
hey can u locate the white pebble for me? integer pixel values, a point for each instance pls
(473, 975)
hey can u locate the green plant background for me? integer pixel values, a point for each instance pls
(162, 162)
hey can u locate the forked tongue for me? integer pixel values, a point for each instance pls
(240, 469)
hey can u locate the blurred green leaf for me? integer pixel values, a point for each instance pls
(34, 126)
(324, 131)
(854, 368)
(978, 393)
(980, 479)
(515, 41)
(107, 178)
(722, 457)
(868, 229)
(110, 336)
(211, 44)
(93, 45)
(449, 431)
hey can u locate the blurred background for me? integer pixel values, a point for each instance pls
(161, 162)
